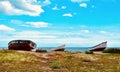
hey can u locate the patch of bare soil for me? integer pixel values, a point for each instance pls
(47, 55)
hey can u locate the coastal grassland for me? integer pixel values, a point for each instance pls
(15, 61)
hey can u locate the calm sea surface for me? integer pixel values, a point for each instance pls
(73, 49)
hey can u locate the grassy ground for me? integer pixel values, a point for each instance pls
(22, 61)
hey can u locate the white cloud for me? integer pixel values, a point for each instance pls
(80, 1)
(85, 31)
(67, 15)
(49, 38)
(83, 26)
(103, 32)
(55, 8)
(38, 24)
(17, 22)
(84, 5)
(20, 7)
(6, 28)
(20, 23)
(35, 35)
(30, 24)
(71, 27)
(63, 7)
(44, 3)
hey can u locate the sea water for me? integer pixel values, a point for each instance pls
(72, 49)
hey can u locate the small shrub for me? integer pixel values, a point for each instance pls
(41, 50)
(89, 52)
(112, 50)
(86, 60)
(55, 65)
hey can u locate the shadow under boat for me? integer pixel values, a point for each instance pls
(59, 48)
(26, 45)
(99, 47)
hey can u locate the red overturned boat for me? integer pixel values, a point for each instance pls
(99, 47)
(26, 45)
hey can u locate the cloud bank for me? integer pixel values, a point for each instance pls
(38, 24)
(6, 28)
(21, 7)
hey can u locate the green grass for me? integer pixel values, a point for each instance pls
(55, 65)
(41, 50)
(13, 61)
(89, 52)
(112, 50)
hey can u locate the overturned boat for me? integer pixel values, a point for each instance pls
(99, 47)
(26, 45)
(59, 48)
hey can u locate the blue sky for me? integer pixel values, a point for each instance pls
(55, 22)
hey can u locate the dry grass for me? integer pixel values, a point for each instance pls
(15, 61)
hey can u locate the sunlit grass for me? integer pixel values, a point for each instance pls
(13, 61)
(15, 56)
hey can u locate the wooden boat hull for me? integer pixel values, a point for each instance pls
(60, 48)
(99, 47)
(26, 45)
